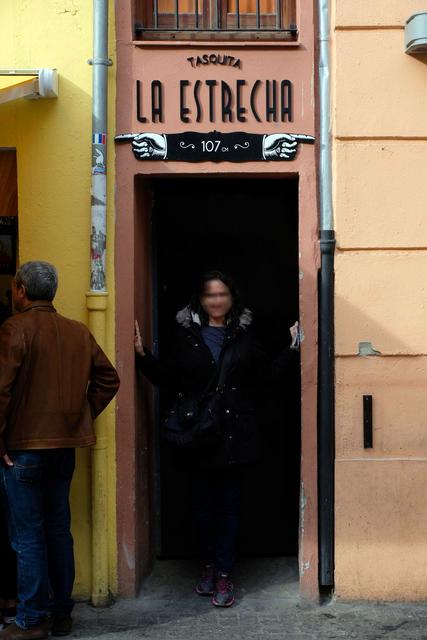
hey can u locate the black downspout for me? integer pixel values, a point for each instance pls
(326, 440)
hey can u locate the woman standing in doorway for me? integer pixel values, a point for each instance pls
(214, 339)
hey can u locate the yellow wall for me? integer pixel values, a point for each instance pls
(53, 142)
(380, 198)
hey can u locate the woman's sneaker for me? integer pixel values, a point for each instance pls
(205, 586)
(224, 591)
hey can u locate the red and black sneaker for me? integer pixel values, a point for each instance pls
(224, 591)
(205, 586)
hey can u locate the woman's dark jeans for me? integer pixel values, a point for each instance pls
(37, 490)
(7, 561)
(216, 503)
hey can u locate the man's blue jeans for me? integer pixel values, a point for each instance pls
(36, 491)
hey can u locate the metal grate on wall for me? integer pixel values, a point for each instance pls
(237, 16)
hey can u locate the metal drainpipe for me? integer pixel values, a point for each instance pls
(326, 443)
(97, 297)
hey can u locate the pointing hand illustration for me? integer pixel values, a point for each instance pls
(146, 146)
(283, 146)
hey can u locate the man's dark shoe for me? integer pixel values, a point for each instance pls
(61, 625)
(13, 632)
(205, 586)
(7, 616)
(224, 591)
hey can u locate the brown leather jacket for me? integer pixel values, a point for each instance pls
(54, 380)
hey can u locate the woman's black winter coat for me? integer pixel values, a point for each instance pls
(191, 366)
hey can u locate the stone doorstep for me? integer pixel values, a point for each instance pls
(265, 610)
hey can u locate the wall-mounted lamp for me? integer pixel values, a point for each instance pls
(416, 33)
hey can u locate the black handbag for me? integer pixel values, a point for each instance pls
(194, 423)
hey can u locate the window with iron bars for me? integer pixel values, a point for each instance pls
(216, 19)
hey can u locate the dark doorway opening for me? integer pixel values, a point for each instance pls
(8, 228)
(248, 228)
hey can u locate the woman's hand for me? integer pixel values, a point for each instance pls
(294, 331)
(139, 347)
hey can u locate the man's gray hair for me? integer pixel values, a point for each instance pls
(39, 278)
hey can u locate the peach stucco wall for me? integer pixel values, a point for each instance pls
(380, 198)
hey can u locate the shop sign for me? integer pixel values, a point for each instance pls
(215, 101)
(268, 101)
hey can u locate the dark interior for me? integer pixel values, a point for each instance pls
(248, 228)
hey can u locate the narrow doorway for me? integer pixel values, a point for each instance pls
(249, 229)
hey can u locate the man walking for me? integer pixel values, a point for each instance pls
(54, 380)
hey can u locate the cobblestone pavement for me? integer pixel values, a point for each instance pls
(267, 607)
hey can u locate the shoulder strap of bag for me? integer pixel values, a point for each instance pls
(224, 367)
(222, 375)
(223, 371)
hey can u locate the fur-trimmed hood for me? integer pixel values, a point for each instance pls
(185, 317)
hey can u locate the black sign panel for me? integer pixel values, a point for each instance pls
(191, 146)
